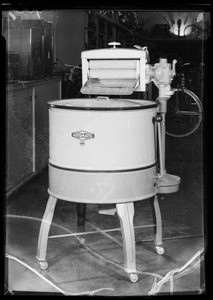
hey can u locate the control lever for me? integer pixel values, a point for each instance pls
(145, 48)
(138, 47)
(173, 72)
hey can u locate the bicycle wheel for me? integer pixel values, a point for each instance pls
(192, 32)
(184, 113)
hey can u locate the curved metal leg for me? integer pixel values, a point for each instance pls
(81, 213)
(158, 235)
(125, 213)
(44, 230)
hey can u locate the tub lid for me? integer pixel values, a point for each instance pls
(102, 103)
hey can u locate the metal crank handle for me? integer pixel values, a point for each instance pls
(173, 72)
(101, 98)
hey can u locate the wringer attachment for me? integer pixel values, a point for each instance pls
(121, 71)
(162, 75)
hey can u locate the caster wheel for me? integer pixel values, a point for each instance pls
(160, 250)
(43, 265)
(133, 277)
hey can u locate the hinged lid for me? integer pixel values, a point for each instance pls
(113, 71)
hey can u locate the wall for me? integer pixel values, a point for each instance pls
(70, 36)
(68, 30)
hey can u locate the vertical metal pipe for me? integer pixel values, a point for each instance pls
(163, 142)
(162, 164)
(33, 128)
(163, 110)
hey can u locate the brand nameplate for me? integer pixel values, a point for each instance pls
(83, 136)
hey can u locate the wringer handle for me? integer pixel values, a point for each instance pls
(114, 44)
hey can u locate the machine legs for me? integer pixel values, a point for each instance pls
(158, 236)
(81, 213)
(44, 232)
(125, 213)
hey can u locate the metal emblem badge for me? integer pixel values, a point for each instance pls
(83, 136)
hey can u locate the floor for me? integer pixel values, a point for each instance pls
(97, 268)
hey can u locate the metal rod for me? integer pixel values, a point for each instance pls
(106, 234)
(160, 151)
(163, 141)
(95, 231)
(33, 129)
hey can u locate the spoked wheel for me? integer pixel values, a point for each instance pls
(192, 31)
(184, 113)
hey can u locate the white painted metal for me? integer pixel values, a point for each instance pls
(111, 53)
(117, 139)
(102, 187)
(115, 63)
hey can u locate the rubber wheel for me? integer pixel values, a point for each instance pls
(133, 277)
(43, 265)
(160, 250)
